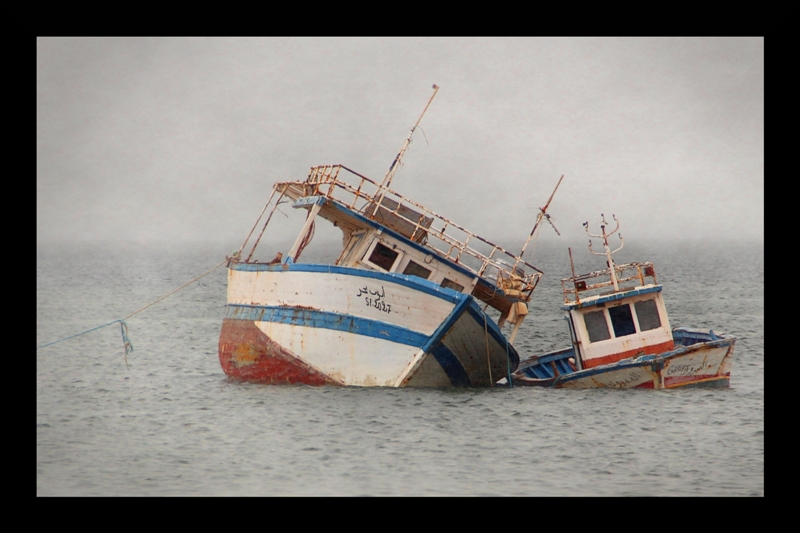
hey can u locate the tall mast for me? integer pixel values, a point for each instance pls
(387, 180)
(603, 235)
(542, 214)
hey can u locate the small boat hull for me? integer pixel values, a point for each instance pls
(330, 325)
(701, 359)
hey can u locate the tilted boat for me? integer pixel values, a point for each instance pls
(621, 338)
(403, 305)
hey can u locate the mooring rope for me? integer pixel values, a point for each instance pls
(257, 221)
(277, 203)
(123, 326)
(488, 359)
(508, 366)
(508, 357)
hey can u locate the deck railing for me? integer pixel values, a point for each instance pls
(578, 286)
(418, 223)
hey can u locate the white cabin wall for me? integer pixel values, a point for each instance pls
(615, 345)
(439, 270)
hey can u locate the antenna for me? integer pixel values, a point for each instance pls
(603, 235)
(542, 215)
(387, 180)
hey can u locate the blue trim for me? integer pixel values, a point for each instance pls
(446, 358)
(688, 336)
(414, 282)
(563, 353)
(451, 366)
(445, 326)
(493, 329)
(636, 362)
(613, 297)
(313, 318)
(405, 240)
(602, 369)
(539, 369)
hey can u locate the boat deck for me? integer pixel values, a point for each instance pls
(359, 194)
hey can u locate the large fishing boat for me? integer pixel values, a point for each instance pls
(403, 305)
(621, 336)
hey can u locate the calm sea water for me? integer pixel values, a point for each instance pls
(171, 424)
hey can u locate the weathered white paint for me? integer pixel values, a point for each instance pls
(358, 257)
(700, 363)
(413, 366)
(469, 341)
(355, 360)
(703, 362)
(624, 378)
(339, 293)
(616, 345)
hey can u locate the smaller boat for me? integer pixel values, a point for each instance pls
(621, 335)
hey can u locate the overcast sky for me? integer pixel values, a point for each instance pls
(182, 138)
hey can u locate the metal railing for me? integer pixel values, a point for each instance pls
(415, 221)
(578, 284)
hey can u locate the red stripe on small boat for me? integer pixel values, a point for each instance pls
(613, 358)
(246, 353)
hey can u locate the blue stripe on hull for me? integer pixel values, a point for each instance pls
(451, 366)
(432, 344)
(494, 332)
(315, 318)
(445, 326)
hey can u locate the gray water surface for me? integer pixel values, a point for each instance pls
(171, 424)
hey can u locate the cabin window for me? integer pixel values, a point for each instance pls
(622, 320)
(415, 269)
(596, 326)
(383, 257)
(450, 284)
(647, 313)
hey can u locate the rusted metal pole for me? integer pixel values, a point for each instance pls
(387, 180)
(540, 216)
(608, 252)
(574, 283)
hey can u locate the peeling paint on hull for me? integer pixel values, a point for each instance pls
(246, 353)
(431, 337)
(706, 364)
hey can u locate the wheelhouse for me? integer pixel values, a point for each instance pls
(608, 326)
(387, 232)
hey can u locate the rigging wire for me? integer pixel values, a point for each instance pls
(121, 321)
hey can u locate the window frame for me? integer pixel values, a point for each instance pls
(371, 249)
(610, 323)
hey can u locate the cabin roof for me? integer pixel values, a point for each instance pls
(334, 211)
(622, 294)
(353, 201)
(592, 286)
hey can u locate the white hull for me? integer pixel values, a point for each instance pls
(321, 324)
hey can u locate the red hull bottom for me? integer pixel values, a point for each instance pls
(246, 353)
